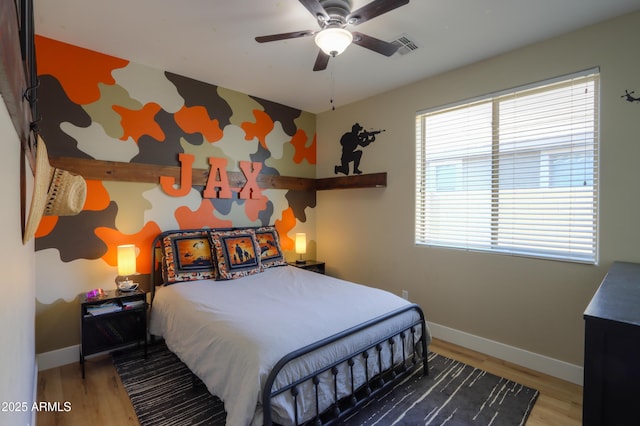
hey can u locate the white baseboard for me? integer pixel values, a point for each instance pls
(34, 397)
(58, 357)
(544, 364)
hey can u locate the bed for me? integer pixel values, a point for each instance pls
(279, 344)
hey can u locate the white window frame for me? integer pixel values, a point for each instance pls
(538, 219)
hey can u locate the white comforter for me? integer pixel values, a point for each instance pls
(231, 333)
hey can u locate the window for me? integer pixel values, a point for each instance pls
(514, 172)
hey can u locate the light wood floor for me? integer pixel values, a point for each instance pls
(100, 399)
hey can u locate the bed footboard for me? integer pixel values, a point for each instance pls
(373, 357)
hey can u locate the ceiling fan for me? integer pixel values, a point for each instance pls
(333, 38)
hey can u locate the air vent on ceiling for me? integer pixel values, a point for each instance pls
(405, 44)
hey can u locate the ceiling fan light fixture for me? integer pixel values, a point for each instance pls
(333, 41)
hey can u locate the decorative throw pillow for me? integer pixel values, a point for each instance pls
(236, 253)
(269, 244)
(187, 257)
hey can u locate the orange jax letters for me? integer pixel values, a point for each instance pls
(218, 168)
(250, 190)
(186, 172)
(218, 181)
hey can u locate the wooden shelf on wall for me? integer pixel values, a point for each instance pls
(373, 180)
(150, 173)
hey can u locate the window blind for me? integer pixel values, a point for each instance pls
(514, 172)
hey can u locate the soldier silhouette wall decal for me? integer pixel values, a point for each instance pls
(629, 98)
(351, 141)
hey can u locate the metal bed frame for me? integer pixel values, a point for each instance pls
(374, 352)
(374, 383)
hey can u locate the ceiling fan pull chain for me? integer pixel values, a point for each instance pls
(333, 106)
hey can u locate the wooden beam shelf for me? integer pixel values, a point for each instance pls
(373, 180)
(150, 173)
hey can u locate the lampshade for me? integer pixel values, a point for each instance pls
(301, 242)
(333, 41)
(126, 260)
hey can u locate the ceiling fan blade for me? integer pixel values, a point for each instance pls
(372, 43)
(285, 36)
(321, 61)
(316, 9)
(373, 9)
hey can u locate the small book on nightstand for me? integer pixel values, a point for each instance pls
(103, 308)
(132, 304)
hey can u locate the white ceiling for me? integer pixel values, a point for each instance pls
(213, 40)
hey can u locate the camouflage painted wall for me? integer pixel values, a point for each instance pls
(106, 108)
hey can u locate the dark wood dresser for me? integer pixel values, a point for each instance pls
(612, 350)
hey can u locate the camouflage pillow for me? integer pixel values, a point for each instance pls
(187, 257)
(235, 253)
(269, 247)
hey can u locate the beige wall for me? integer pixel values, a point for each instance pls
(17, 304)
(536, 305)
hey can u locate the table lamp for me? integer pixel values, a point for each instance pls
(126, 266)
(301, 246)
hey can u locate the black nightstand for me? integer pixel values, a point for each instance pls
(112, 320)
(310, 265)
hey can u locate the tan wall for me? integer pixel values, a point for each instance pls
(17, 304)
(537, 305)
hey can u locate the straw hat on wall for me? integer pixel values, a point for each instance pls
(56, 192)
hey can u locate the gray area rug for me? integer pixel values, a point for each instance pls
(162, 391)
